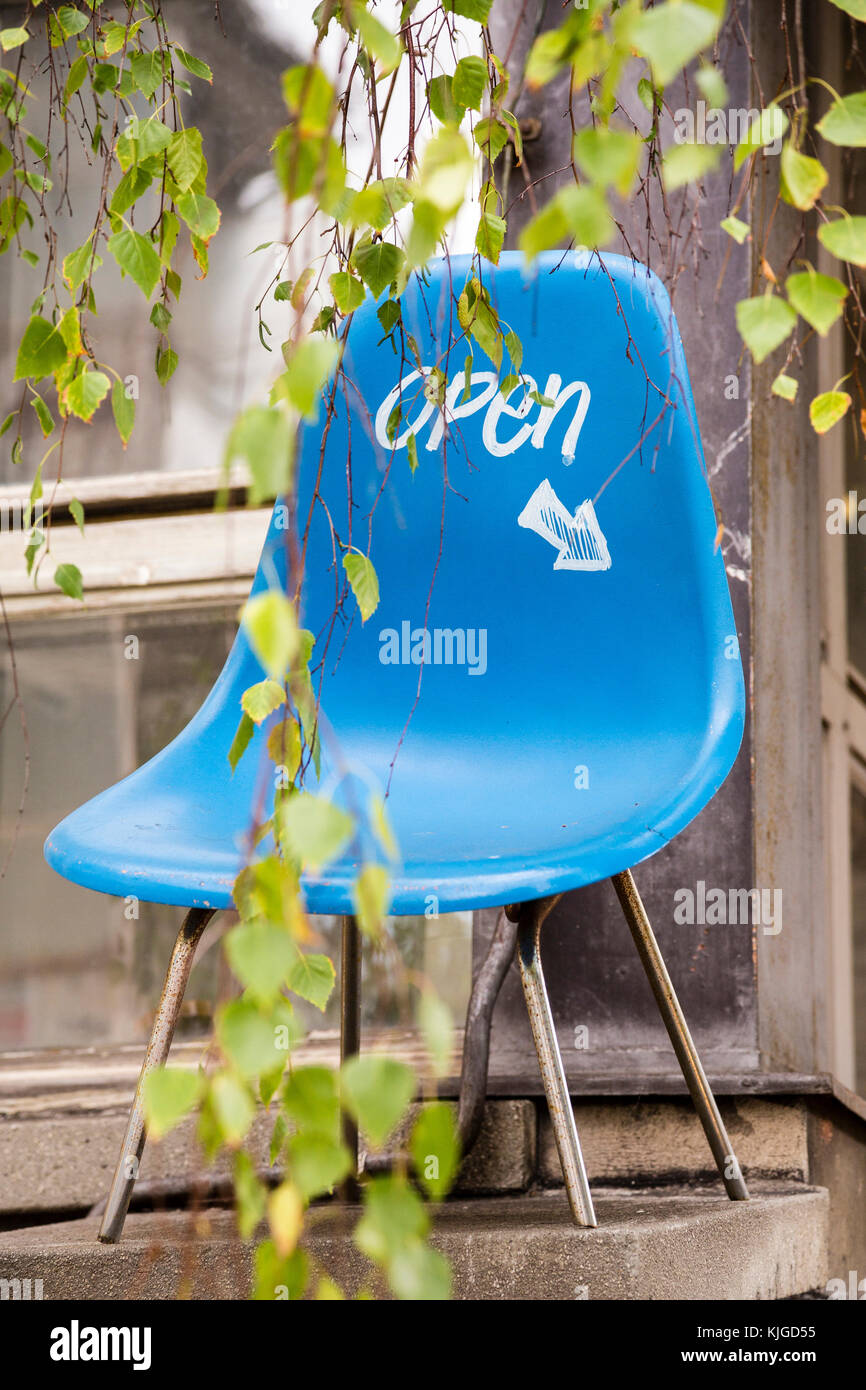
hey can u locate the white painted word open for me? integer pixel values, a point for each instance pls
(499, 411)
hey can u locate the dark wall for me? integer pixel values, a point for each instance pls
(599, 995)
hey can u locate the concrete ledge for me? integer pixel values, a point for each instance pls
(672, 1245)
(636, 1142)
(62, 1160)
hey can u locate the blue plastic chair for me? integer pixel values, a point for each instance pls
(551, 564)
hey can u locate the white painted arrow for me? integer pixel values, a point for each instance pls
(578, 539)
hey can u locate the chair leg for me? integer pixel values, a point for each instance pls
(531, 916)
(132, 1147)
(672, 1015)
(476, 1035)
(350, 1036)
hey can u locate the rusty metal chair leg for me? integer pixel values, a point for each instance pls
(476, 1035)
(530, 917)
(132, 1147)
(674, 1021)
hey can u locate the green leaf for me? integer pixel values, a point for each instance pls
(41, 350)
(264, 438)
(420, 1274)
(170, 1093)
(491, 137)
(348, 292)
(286, 1217)
(547, 228)
(469, 9)
(687, 163)
(166, 363)
(802, 178)
(764, 322)
(370, 894)
(317, 1164)
(364, 581)
(200, 214)
(146, 69)
(136, 256)
(712, 86)
(435, 1149)
(608, 156)
(6, 160)
(12, 38)
(469, 82)
(261, 954)
(271, 626)
(312, 830)
(160, 317)
(274, 1272)
(586, 215)
(85, 393)
(261, 700)
(310, 366)
(446, 167)
(43, 414)
(735, 228)
(247, 1038)
(123, 409)
(149, 137)
(310, 98)
(818, 298)
(184, 156)
(377, 1090)
(71, 20)
(379, 42)
(440, 94)
(312, 977)
(233, 1107)
(68, 579)
(394, 1219)
(196, 66)
(828, 409)
(670, 35)
(785, 386)
(241, 741)
(310, 1098)
(845, 238)
(134, 182)
(378, 263)
(490, 236)
(76, 511)
(766, 128)
(412, 452)
(845, 122)
(250, 1195)
(76, 266)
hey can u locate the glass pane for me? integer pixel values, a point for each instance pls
(858, 923)
(214, 328)
(78, 968)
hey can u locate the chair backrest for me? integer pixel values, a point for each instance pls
(552, 557)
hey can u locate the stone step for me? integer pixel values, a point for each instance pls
(672, 1244)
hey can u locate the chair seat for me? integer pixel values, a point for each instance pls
(564, 597)
(522, 826)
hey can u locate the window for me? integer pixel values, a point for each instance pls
(108, 683)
